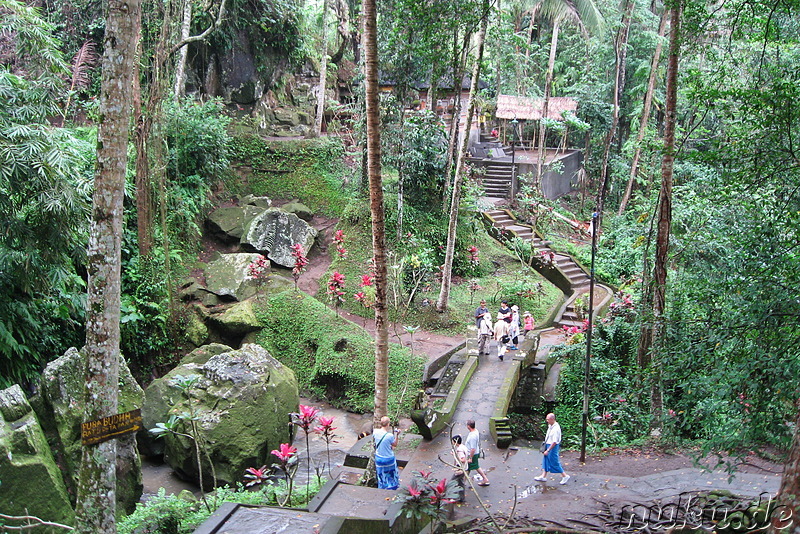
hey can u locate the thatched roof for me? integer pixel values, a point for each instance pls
(521, 107)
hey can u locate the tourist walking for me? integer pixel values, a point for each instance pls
(485, 332)
(513, 327)
(473, 445)
(480, 312)
(501, 335)
(385, 461)
(551, 463)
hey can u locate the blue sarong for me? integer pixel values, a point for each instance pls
(386, 470)
(551, 463)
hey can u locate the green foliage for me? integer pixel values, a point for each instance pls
(309, 170)
(179, 514)
(198, 159)
(331, 357)
(615, 414)
(417, 148)
(45, 180)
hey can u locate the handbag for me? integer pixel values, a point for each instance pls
(543, 447)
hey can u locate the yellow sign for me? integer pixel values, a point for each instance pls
(110, 427)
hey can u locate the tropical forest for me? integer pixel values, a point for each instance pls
(399, 266)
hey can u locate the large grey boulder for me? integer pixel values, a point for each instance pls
(60, 411)
(240, 400)
(299, 209)
(273, 233)
(227, 276)
(32, 484)
(227, 224)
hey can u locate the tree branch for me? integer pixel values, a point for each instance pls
(200, 37)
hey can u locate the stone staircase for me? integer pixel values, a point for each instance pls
(497, 179)
(578, 279)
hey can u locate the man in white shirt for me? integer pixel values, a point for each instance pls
(473, 444)
(550, 460)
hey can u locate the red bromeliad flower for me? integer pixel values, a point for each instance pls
(413, 490)
(255, 476)
(335, 286)
(366, 280)
(285, 453)
(360, 296)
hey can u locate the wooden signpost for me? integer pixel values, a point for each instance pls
(113, 426)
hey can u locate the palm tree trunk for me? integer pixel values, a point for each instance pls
(447, 271)
(459, 62)
(664, 221)
(547, 89)
(96, 503)
(323, 71)
(648, 103)
(621, 47)
(369, 13)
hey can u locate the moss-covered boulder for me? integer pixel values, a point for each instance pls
(160, 396)
(240, 400)
(299, 209)
(60, 411)
(237, 320)
(226, 276)
(274, 232)
(32, 483)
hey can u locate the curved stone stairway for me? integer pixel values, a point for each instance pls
(574, 279)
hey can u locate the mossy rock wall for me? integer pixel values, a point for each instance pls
(31, 481)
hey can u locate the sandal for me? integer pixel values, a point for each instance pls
(483, 483)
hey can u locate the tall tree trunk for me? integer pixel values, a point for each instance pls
(97, 485)
(180, 67)
(369, 13)
(664, 221)
(648, 103)
(459, 63)
(621, 49)
(455, 202)
(548, 83)
(323, 71)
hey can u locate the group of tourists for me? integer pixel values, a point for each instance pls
(467, 454)
(505, 331)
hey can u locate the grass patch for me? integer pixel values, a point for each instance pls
(332, 357)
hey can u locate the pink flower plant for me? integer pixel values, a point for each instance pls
(258, 268)
(305, 420)
(335, 289)
(338, 238)
(300, 262)
(473, 255)
(325, 431)
(285, 453)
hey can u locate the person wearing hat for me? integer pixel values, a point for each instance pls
(484, 333)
